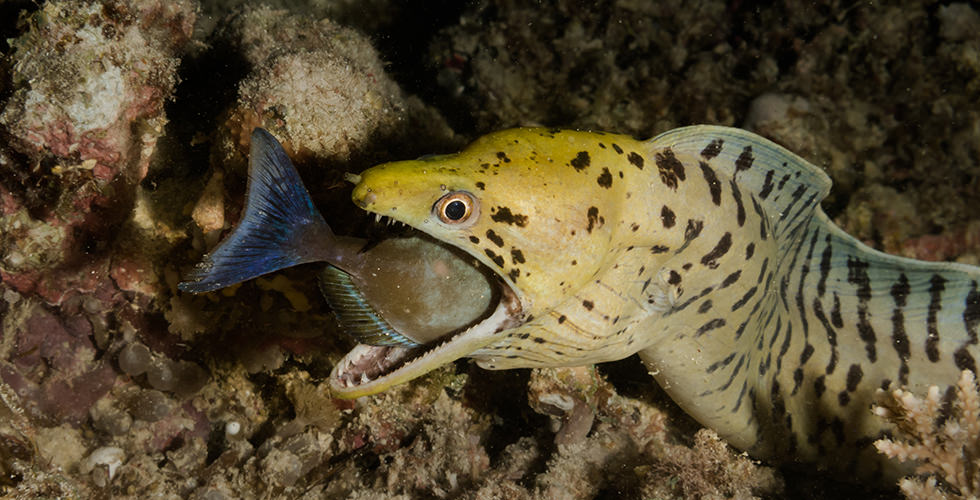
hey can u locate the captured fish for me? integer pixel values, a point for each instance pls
(704, 250)
(399, 291)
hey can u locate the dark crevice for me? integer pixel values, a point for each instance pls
(404, 45)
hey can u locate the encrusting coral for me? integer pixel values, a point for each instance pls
(943, 437)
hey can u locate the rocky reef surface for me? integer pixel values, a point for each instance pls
(124, 130)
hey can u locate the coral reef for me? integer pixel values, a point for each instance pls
(319, 87)
(123, 134)
(89, 83)
(941, 436)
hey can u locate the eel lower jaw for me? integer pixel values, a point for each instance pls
(368, 369)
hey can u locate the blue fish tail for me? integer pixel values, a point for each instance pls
(280, 227)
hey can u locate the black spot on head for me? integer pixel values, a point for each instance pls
(673, 278)
(561, 319)
(605, 178)
(474, 239)
(539, 340)
(749, 250)
(594, 219)
(503, 214)
(659, 249)
(514, 273)
(581, 161)
(481, 186)
(503, 157)
(517, 256)
(616, 148)
(635, 159)
(497, 259)
(668, 217)
(588, 305)
(495, 238)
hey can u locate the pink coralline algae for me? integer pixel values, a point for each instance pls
(90, 81)
(81, 119)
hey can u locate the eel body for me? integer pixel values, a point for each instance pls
(705, 251)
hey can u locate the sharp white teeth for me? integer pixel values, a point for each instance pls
(377, 217)
(364, 378)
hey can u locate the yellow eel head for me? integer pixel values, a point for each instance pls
(517, 201)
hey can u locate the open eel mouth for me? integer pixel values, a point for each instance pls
(397, 355)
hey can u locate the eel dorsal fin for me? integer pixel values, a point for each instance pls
(787, 187)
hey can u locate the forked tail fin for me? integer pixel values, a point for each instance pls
(280, 227)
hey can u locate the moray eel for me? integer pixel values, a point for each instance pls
(705, 251)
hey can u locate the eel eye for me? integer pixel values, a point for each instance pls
(455, 208)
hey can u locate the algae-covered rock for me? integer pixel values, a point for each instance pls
(89, 84)
(319, 87)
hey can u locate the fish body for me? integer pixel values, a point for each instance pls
(387, 293)
(410, 297)
(705, 251)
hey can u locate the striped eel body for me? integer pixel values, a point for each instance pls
(705, 251)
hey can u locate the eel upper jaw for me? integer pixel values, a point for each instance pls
(367, 369)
